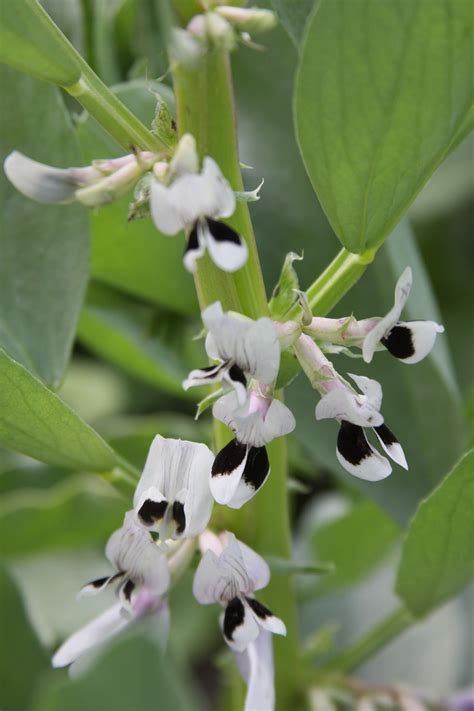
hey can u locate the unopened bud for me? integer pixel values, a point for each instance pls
(214, 29)
(250, 19)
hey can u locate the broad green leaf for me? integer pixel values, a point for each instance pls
(44, 249)
(32, 476)
(419, 402)
(293, 15)
(69, 17)
(437, 557)
(76, 512)
(131, 673)
(36, 422)
(280, 566)
(383, 93)
(31, 42)
(135, 336)
(284, 296)
(356, 543)
(22, 659)
(134, 256)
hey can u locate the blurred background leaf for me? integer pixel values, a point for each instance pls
(44, 248)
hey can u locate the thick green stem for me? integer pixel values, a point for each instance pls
(205, 108)
(370, 643)
(335, 281)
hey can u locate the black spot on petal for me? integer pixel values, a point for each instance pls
(222, 232)
(259, 609)
(233, 617)
(399, 342)
(193, 240)
(152, 511)
(99, 583)
(179, 516)
(386, 435)
(257, 467)
(352, 443)
(229, 458)
(128, 589)
(237, 375)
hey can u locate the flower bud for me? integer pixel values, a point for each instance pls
(248, 19)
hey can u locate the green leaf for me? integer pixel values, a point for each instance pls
(36, 422)
(145, 343)
(283, 296)
(131, 673)
(293, 15)
(78, 511)
(25, 659)
(383, 93)
(419, 402)
(30, 42)
(437, 560)
(134, 256)
(294, 567)
(44, 249)
(356, 543)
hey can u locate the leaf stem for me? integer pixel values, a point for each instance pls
(366, 646)
(335, 281)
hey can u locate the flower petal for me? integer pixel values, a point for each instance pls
(165, 210)
(391, 445)
(195, 249)
(185, 158)
(411, 341)
(266, 618)
(227, 471)
(174, 466)
(205, 376)
(151, 507)
(357, 455)
(254, 476)
(220, 578)
(94, 633)
(254, 428)
(385, 324)
(369, 387)
(132, 550)
(40, 182)
(97, 586)
(239, 625)
(256, 667)
(227, 249)
(220, 198)
(343, 404)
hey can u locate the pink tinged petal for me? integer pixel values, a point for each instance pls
(227, 249)
(256, 423)
(256, 667)
(411, 341)
(343, 404)
(239, 625)
(385, 324)
(391, 445)
(357, 455)
(41, 182)
(96, 632)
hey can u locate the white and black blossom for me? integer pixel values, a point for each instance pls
(142, 578)
(229, 573)
(173, 496)
(248, 360)
(196, 201)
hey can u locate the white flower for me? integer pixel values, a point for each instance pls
(173, 495)
(409, 341)
(342, 402)
(196, 201)
(229, 574)
(243, 348)
(142, 575)
(93, 185)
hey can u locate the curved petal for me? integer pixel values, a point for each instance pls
(254, 476)
(265, 617)
(205, 376)
(165, 213)
(220, 198)
(391, 445)
(40, 182)
(227, 471)
(254, 428)
(357, 455)
(343, 404)
(132, 550)
(371, 388)
(227, 249)
(195, 249)
(411, 341)
(256, 667)
(385, 324)
(185, 158)
(96, 632)
(239, 625)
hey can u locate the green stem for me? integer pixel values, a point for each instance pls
(94, 95)
(370, 643)
(205, 108)
(335, 281)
